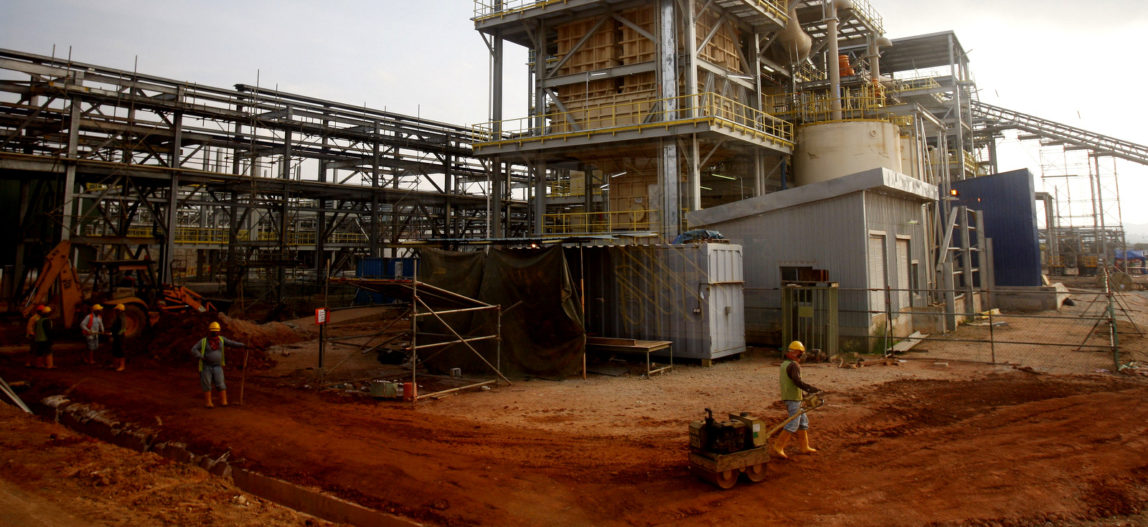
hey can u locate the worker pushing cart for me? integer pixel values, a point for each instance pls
(793, 390)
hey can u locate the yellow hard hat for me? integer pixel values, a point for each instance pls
(213, 327)
(45, 309)
(797, 346)
(120, 307)
(97, 307)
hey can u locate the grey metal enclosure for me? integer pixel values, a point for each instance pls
(690, 295)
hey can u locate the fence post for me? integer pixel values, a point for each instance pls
(992, 338)
(1113, 335)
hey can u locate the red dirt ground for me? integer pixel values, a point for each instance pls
(916, 443)
(1010, 448)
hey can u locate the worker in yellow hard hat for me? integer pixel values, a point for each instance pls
(792, 392)
(119, 331)
(209, 351)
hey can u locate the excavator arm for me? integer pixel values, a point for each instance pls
(57, 270)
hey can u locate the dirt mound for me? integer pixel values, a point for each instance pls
(171, 338)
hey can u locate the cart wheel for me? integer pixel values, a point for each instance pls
(726, 480)
(755, 473)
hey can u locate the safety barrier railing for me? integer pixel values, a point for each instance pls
(703, 108)
(571, 223)
(869, 14)
(868, 102)
(486, 9)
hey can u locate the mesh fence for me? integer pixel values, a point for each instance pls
(1092, 331)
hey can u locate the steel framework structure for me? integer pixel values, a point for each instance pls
(132, 164)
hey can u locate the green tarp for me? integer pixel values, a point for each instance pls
(542, 329)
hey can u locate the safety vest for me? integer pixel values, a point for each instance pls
(203, 349)
(789, 390)
(43, 326)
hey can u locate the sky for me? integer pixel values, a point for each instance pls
(1073, 62)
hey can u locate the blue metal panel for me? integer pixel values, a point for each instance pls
(382, 268)
(1009, 204)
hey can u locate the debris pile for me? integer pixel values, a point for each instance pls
(170, 339)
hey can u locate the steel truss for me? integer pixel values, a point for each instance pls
(132, 164)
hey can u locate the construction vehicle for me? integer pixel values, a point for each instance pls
(128, 282)
(720, 452)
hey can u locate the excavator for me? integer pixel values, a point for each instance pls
(128, 282)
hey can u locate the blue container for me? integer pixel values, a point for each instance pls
(1009, 204)
(389, 268)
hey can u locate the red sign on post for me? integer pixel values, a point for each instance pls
(321, 316)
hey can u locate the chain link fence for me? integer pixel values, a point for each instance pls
(1091, 332)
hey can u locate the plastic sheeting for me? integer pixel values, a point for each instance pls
(542, 330)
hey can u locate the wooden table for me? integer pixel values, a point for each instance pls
(620, 345)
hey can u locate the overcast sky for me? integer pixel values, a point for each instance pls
(1079, 63)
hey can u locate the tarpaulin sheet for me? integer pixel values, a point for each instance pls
(542, 330)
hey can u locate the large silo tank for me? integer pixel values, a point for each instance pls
(910, 157)
(830, 150)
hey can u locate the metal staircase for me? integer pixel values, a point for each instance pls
(1000, 118)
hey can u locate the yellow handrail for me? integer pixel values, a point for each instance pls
(708, 108)
(570, 223)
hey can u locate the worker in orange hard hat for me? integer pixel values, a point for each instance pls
(92, 327)
(119, 331)
(793, 390)
(209, 351)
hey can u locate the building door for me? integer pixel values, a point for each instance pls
(903, 266)
(877, 275)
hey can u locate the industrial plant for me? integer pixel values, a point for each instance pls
(689, 185)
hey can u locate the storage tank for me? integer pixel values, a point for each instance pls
(910, 157)
(830, 150)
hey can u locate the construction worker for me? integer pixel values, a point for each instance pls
(792, 393)
(209, 351)
(92, 327)
(42, 339)
(119, 331)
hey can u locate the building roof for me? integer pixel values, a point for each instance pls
(877, 179)
(921, 52)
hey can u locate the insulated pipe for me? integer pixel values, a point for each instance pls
(834, 66)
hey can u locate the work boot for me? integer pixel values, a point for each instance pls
(803, 441)
(120, 364)
(777, 446)
(223, 397)
(207, 399)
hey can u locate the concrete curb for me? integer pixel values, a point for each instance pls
(102, 425)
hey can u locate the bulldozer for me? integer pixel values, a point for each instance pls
(128, 282)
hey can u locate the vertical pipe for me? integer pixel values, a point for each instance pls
(496, 175)
(70, 171)
(834, 64)
(958, 115)
(284, 225)
(668, 174)
(172, 224)
(1102, 242)
(415, 330)
(540, 127)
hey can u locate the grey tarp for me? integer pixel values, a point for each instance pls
(542, 330)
